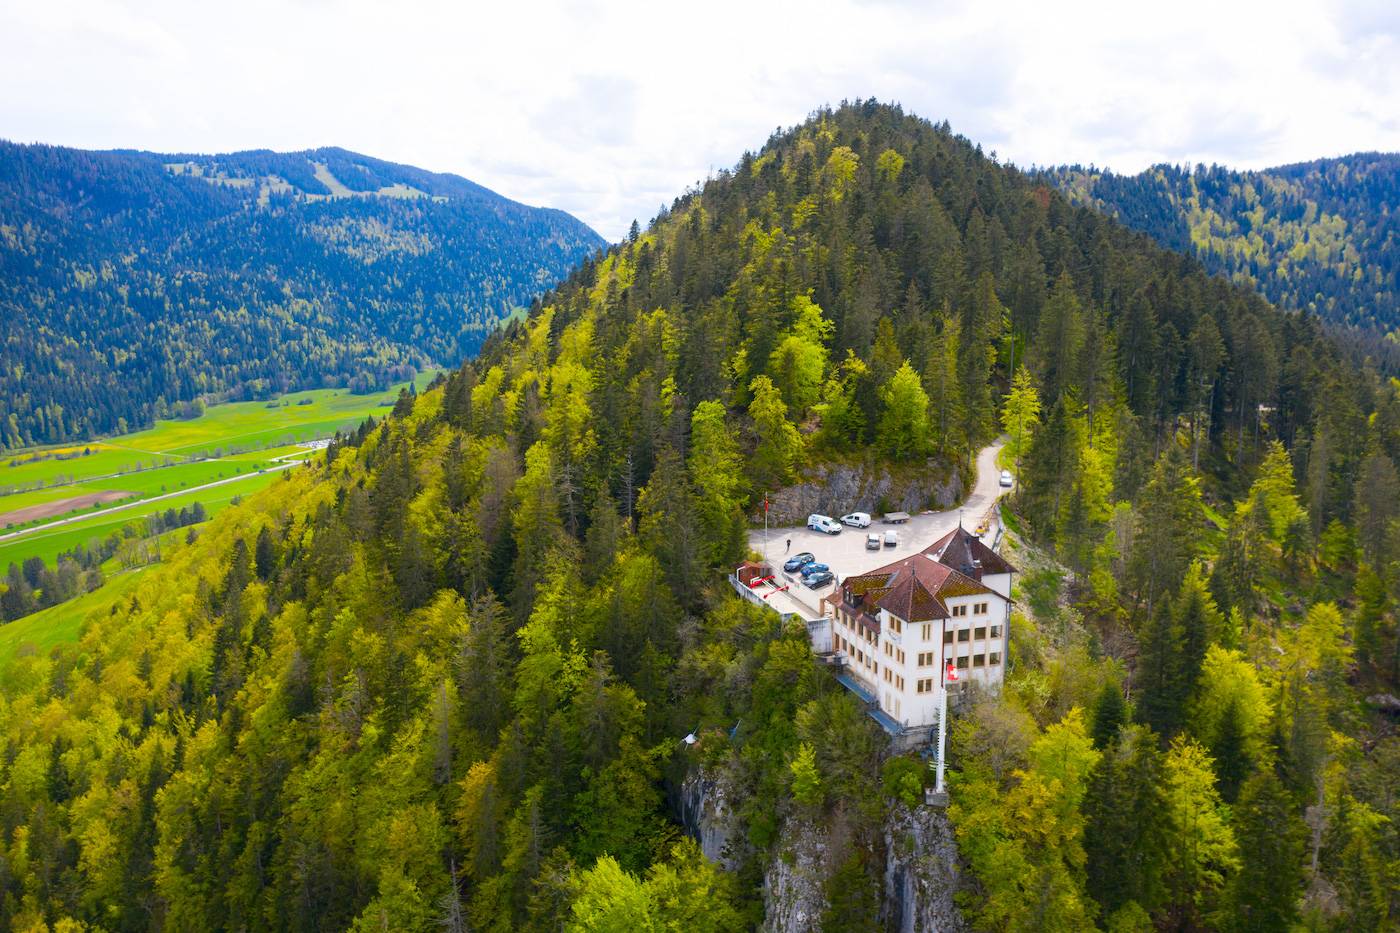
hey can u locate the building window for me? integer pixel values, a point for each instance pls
(979, 660)
(928, 630)
(963, 634)
(926, 685)
(994, 658)
(962, 663)
(899, 682)
(996, 631)
(959, 611)
(896, 625)
(947, 636)
(900, 652)
(980, 633)
(925, 658)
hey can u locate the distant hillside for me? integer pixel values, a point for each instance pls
(1322, 236)
(131, 281)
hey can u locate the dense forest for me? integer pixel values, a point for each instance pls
(133, 282)
(1319, 236)
(440, 679)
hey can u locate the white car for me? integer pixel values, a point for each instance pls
(856, 520)
(823, 523)
(1006, 479)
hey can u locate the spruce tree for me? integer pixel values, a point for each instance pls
(1161, 680)
(1110, 712)
(1127, 825)
(1265, 893)
(1232, 762)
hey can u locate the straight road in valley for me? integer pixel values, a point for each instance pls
(84, 516)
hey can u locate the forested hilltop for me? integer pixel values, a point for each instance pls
(131, 282)
(1320, 236)
(441, 679)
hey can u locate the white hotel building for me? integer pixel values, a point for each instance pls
(898, 627)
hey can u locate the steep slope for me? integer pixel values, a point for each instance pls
(1321, 236)
(130, 281)
(443, 677)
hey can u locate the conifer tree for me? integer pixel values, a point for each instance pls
(1265, 894)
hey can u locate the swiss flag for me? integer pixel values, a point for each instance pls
(952, 671)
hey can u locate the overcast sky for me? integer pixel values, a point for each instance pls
(609, 110)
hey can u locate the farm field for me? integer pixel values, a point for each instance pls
(231, 428)
(61, 624)
(236, 438)
(48, 543)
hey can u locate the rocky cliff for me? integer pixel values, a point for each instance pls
(918, 853)
(921, 872)
(835, 489)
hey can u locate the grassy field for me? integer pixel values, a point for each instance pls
(50, 542)
(223, 430)
(238, 437)
(61, 624)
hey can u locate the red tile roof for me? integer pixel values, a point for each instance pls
(914, 588)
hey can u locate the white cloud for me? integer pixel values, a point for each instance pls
(609, 110)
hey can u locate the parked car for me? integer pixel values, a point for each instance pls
(872, 541)
(1006, 479)
(815, 567)
(824, 523)
(798, 561)
(891, 538)
(818, 580)
(856, 520)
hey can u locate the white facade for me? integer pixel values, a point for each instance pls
(902, 663)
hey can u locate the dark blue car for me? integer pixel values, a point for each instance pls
(798, 561)
(814, 567)
(819, 579)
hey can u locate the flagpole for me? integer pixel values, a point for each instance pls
(950, 673)
(765, 527)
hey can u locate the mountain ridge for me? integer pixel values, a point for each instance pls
(1319, 235)
(163, 278)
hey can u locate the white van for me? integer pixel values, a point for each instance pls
(823, 523)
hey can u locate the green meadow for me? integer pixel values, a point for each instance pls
(48, 543)
(231, 429)
(233, 439)
(38, 633)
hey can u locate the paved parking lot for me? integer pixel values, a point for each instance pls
(846, 553)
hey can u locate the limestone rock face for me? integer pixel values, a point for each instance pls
(917, 850)
(794, 886)
(838, 489)
(708, 817)
(921, 872)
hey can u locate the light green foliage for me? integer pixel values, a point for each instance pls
(1020, 416)
(904, 427)
(806, 780)
(1025, 842)
(840, 171)
(798, 362)
(1202, 852)
(1273, 489)
(843, 419)
(1228, 678)
(717, 469)
(779, 444)
(889, 165)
